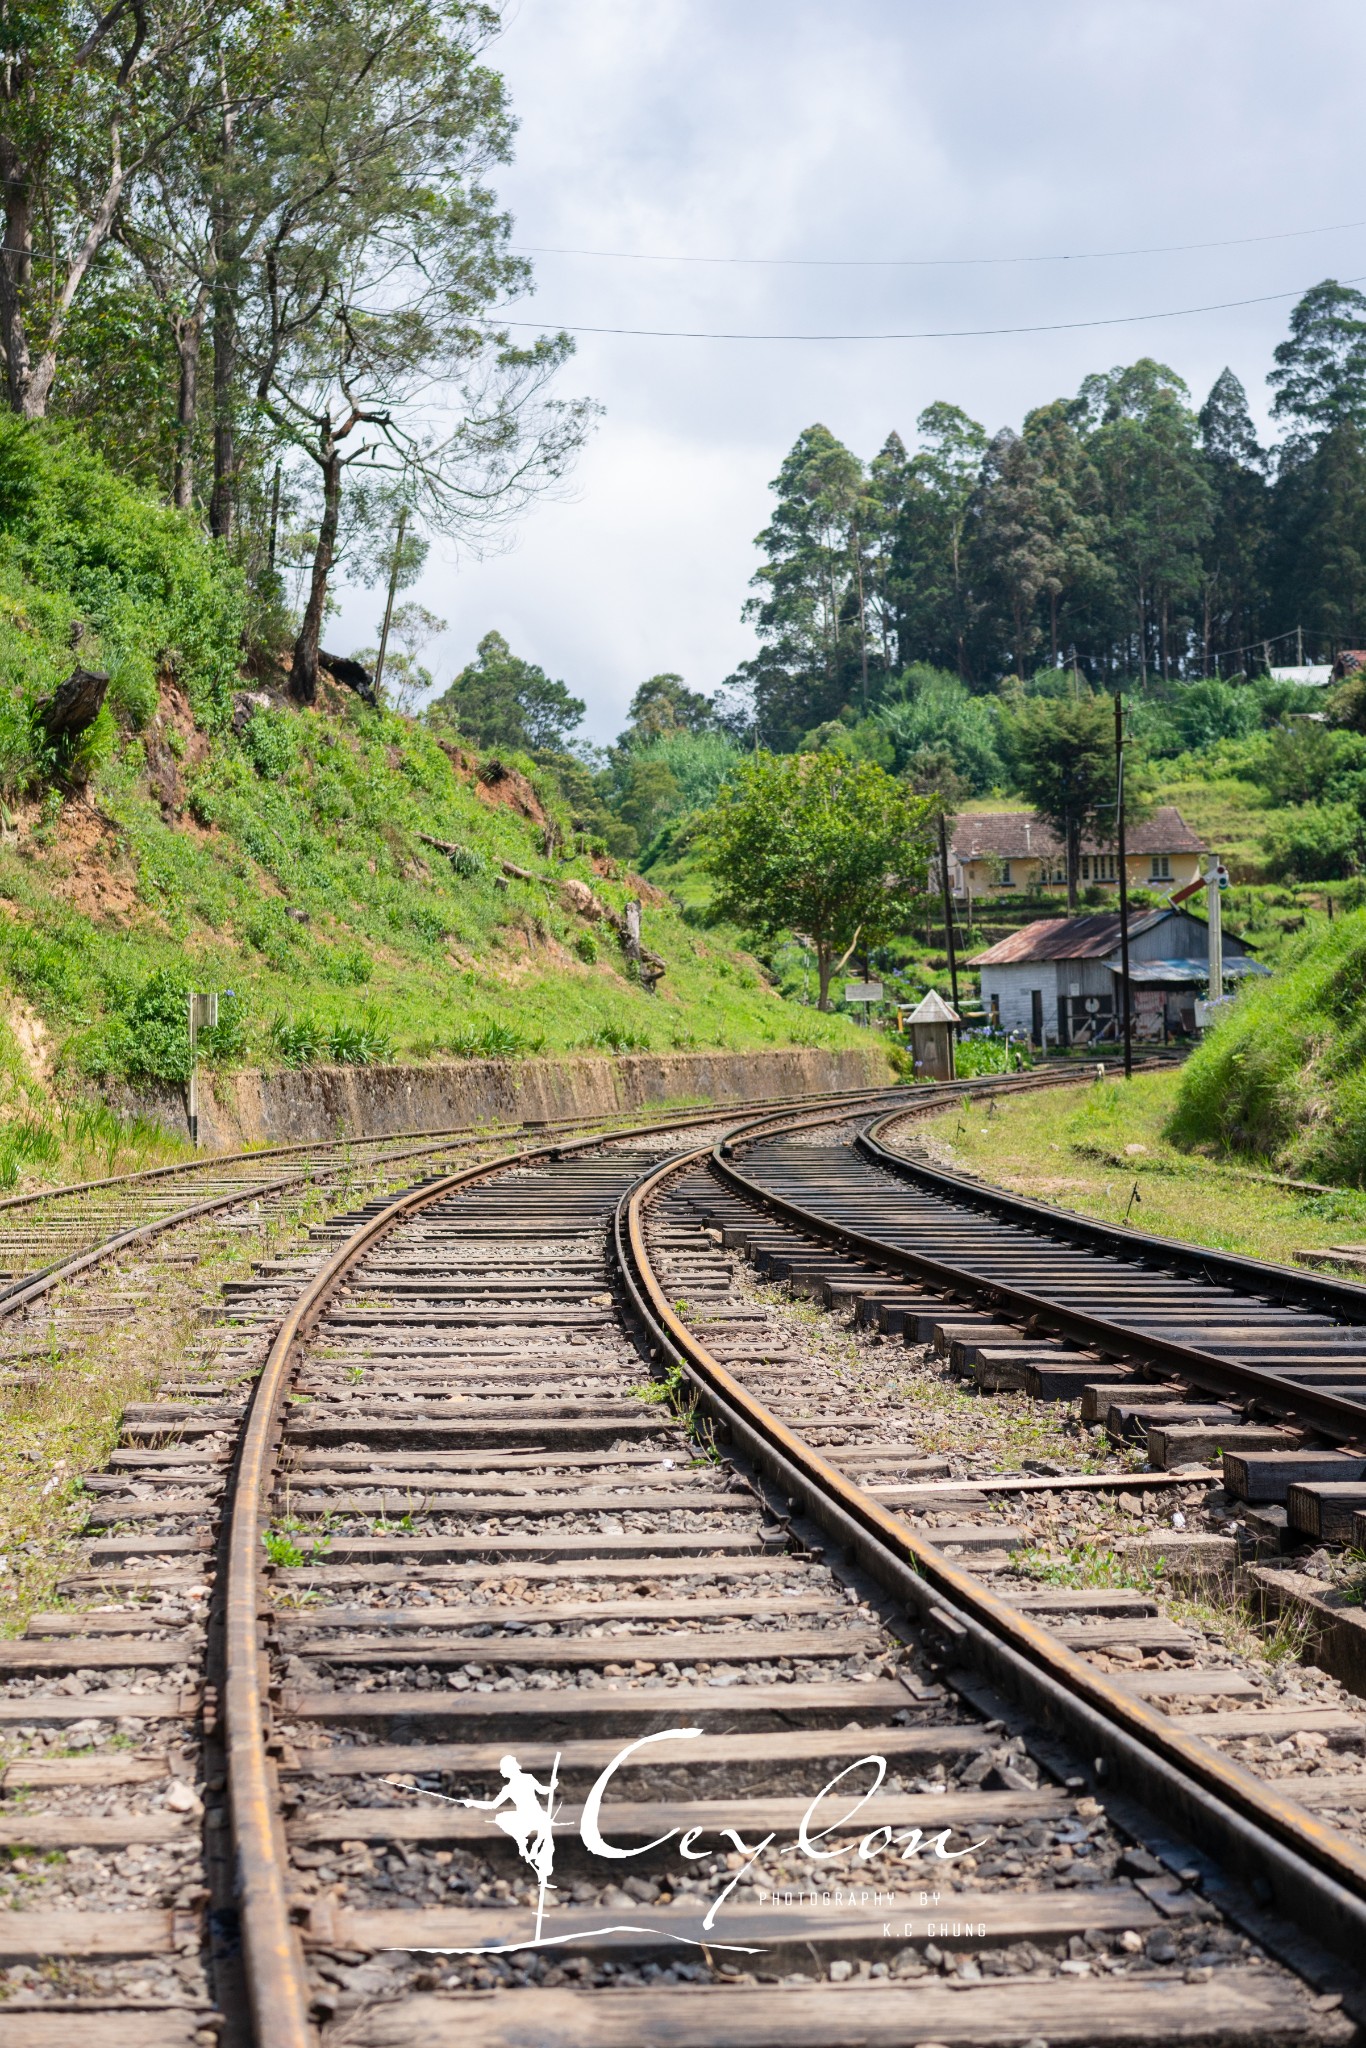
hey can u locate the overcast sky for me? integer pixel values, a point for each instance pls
(883, 130)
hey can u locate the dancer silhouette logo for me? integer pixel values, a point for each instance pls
(518, 1811)
(526, 1811)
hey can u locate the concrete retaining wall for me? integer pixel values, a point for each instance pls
(248, 1107)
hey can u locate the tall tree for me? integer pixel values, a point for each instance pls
(90, 98)
(1014, 545)
(1320, 374)
(1064, 758)
(831, 848)
(664, 704)
(929, 572)
(373, 346)
(1077, 576)
(1158, 501)
(811, 615)
(1320, 538)
(1233, 589)
(499, 700)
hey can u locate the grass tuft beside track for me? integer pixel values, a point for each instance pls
(1087, 1150)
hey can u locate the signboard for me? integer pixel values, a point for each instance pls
(1207, 1011)
(863, 991)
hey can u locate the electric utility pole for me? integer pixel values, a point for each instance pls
(1216, 929)
(948, 908)
(1126, 1009)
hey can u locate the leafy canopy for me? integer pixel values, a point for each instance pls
(499, 700)
(821, 844)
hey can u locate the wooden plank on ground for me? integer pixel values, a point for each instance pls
(1237, 2005)
(784, 1928)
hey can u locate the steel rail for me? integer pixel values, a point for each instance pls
(33, 1286)
(1345, 1299)
(211, 1161)
(277, 1985)
(1312, 1872)
(1332, 1415)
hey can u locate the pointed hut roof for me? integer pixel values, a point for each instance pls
(932, 1009)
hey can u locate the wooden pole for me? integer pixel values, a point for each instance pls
(948, 907)
(1126, 1008)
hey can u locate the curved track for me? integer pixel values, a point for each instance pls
(470, 1538)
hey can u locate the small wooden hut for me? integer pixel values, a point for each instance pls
(932, 1024)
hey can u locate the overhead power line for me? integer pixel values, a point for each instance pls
(917, 334)
(933, 262)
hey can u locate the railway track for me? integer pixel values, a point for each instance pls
(52, 1235)
(474, 1548)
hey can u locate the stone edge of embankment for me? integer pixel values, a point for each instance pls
(284, 1105)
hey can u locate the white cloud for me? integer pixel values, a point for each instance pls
(869, 128)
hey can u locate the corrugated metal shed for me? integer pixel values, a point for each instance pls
(1065, 938)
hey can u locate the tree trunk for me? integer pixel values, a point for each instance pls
(29, 381)
(221, 502)
(188, 335)
(16, 264)
(226, 255)
(825, 967)
(303, 681)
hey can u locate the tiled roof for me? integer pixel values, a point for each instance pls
(1018, 835)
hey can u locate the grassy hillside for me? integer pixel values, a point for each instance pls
(206, 834)
(1283, 1077)
(287, 864)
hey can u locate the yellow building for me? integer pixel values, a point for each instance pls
(1003, 853)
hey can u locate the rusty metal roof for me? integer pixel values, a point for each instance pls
(1066, 938)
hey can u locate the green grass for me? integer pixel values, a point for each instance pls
(1086, 1148)
(308, 893)
(1283, 1076)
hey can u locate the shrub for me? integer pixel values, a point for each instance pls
(270, 740)
(148, 1039)
(296, 1041)
(226, 1041)
(1319, 843)
(586, 946)
(349, 967)
(366, 1041)
(488, 1040)
(614, 1036)
(988, 1056)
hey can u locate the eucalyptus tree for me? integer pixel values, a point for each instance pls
(374, 351)
(812, 611)
(934, 604)
(1159, 506)
(91, 98)
(1233, 586)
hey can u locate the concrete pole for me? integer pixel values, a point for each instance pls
(192, 1093)
(1216, 929)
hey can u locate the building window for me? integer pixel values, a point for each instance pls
(1086, 867)
(1007, 879)
(1161, 869)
